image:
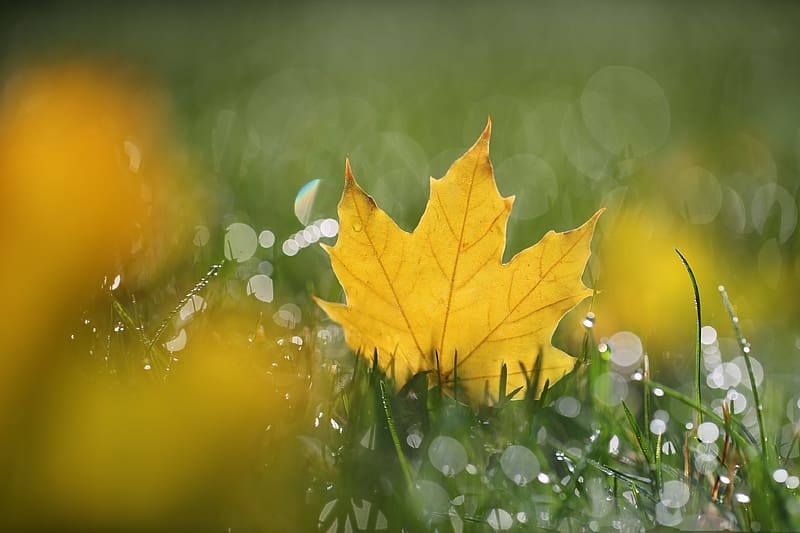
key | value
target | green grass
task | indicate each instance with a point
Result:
(419, 459)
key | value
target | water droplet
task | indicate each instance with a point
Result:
(431, 500)
(193, 305)
(147, 366)
(241, 242)
(266, 239)
(543, 478)
(675, 494)
(742, 498)
(260, 286)
(588, 320)
(177, 343)
(708, 335)
(414, 439)
(613, 445)
(329, 227)
(658, 426)
(657, 391)
(780, 475)
(304, 201)
(707, 432)
(519, 464)
(666, 516)
(499, 519)
(725, 480)
(792, 482)
(290, 247)
(568, 406)
(471, 469)
(626, 349)
(447, 455)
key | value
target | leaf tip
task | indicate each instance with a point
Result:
(487, 131)
(348, 172)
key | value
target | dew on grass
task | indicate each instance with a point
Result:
(201, 236)
(792, 482)
(241, 242)
(568, 406)
(266, 239)
(780, 475)
(116, 282)
(675, 494)
(708, 335)
(707, 432)
(177, 343)
(519, 464)
(626, 349)
(500, 519)
(290, 247)
(742, 498)
(304, 201)
(543, 478)
(471, 469)
(588, 320)
(657, 391)
(447, 455)
(260, 286)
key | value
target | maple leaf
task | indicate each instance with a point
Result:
(443, 291)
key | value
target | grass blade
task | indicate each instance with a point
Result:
(697, 349)
(638, 434)
(395, 439)
(744, 346)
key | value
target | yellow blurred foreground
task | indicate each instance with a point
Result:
(85, 168)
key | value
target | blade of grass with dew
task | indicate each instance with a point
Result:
(745, 348)
(743, 443)
(395, 438)
(699, 325)
(637, 432)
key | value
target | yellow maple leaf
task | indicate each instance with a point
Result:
(443, 290)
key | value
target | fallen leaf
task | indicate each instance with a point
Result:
(442, 292)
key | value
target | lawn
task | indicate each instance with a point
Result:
(169, 173)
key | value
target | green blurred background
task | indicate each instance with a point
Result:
(682, 118)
